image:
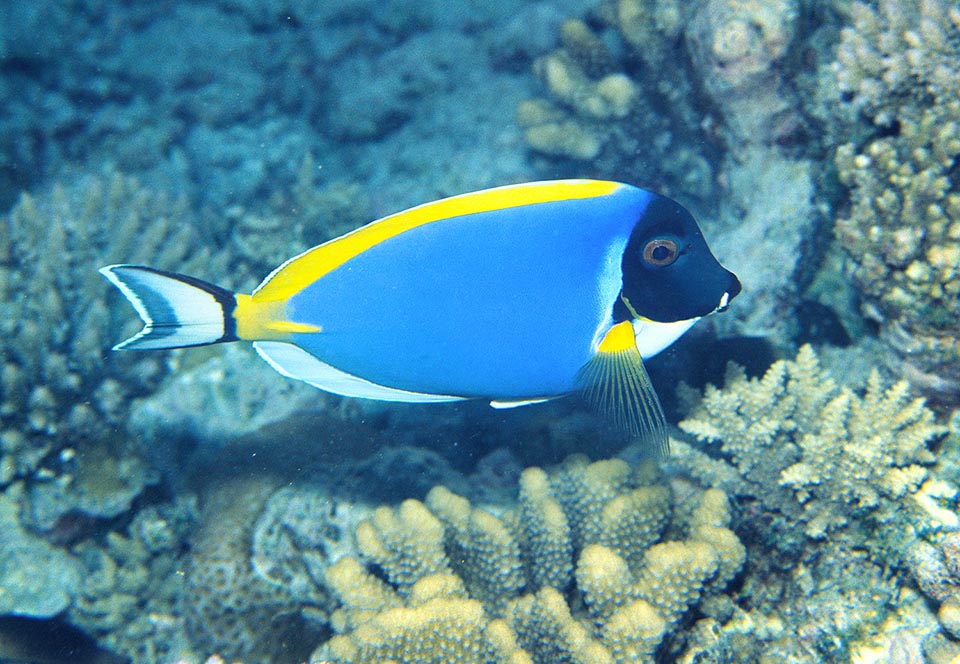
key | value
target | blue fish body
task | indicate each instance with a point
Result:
(497, 304)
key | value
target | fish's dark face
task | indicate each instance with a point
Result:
(669, 273)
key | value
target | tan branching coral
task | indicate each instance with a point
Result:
(600, 107)
(575, 574)
(899, 66)
(61, 388)
(808, 448)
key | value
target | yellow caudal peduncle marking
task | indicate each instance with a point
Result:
(621, 337)
(265, 321)
(299, 272)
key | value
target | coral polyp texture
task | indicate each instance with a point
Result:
(232, 593)
(132, 582)
(821, 455)
(600, 110)
(64, 396)
(898, 65)
(576, 573)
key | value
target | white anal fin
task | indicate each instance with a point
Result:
(294, 362)
(617, 385)
(503, 405)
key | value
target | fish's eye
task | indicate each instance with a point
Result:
(660, 252)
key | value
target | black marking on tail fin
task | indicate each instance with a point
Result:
(177, 310)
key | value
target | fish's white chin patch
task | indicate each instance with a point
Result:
(653, 337)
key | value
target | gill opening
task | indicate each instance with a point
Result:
(633, 312)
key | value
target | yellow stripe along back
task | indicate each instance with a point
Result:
(301, 271)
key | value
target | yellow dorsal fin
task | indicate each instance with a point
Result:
(616, 384)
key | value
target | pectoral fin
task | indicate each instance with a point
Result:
(617, 385)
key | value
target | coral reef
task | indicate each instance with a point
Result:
(227, 601)
(736, 48)
(576, 573)
(132, 583)
(602, 111)
(936, 570)
(819, 454)
(65, 397)
(36, 579)
(646, 95)
(310, 212)
(834, 486)
(897, 66)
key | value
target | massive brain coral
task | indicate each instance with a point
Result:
(577, 573)
(898, 66)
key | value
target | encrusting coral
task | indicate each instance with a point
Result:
(898, 67)
(227, 600)
(38, 580)
(62, 391)
(936, 570)
(819, 454)
(575, 574)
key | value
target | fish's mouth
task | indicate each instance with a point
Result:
(732, 292)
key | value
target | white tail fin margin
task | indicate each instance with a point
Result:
(176, 310)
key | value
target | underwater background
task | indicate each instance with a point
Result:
(194, 506)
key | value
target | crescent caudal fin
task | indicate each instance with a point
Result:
(176, 310)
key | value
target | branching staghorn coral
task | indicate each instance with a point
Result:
(813, 451)
(132, 582)
(898, 65)
(574, 574)
(64, 396)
